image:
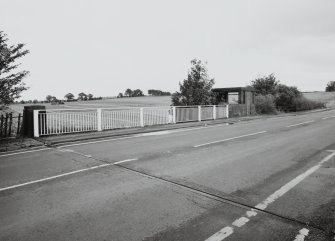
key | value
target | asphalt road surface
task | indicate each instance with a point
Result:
(267, 179)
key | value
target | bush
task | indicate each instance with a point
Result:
(264, 104)
(301, 103)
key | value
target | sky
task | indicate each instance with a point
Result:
(104, 47)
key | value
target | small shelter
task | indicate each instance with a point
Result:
(243, 104)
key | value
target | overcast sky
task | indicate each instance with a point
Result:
(105, 47)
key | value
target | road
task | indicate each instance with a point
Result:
(266, 179)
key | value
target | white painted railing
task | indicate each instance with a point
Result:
(83, 120)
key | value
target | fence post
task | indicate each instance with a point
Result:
(36, 123)
(10, 124)
(99, 119)
(142, 117)
(227, 111)
(174, 116)
(214, 112)
(18, 125)
(199, 113)
(1, 126)
(6, 125)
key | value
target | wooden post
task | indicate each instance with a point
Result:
(6, 125)
(1, 126)
(18, 125)
(10, 124)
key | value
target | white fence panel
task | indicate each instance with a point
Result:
(207, 113)
(157, 115)
(83, 120)
(186, 114)
(120, 118)
(221, 112)
(67, 122)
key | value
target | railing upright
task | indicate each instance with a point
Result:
(214, 112)
(99, 119)
(174, 117)
(141, 117)
(227, 111)
(36, 124)
(199, 113)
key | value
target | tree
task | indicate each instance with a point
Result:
(120, 95)
(49, 98)
(286, 96)
(158, 93)
(11, 84)
(82, 96)
(128, 93)
(196, 89)
(330, 86)
(137, 93)
(90, 97)
(266, 85)
(69, 96)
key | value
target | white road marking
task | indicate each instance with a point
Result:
(22, 152)
(302, 123)
(251, 213)
(64, 174)
(129, 160)
(303, 233)
(222, 234)
(72, 151)
(287, 187)
(54, 177)
(142, 135)
(241, 221)
(229, 139)
(328, 117)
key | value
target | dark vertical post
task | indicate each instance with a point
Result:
(1, 126)
(18, 125)
(10, 124)
(6, 125)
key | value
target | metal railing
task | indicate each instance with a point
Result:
(53, 122)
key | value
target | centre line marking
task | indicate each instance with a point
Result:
(302, 123)
(64, 174)
(172, 131)
(227, 231)
(229, 139)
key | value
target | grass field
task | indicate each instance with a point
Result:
(326, 97)
(145, 101)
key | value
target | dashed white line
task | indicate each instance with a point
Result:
(302, 123)
(54, 177)
(303, 233)
(64, 174)
(241, 221)
(154, 133)
(129, 160)
(22, 152)
(229, 139)
(222, 234)
(227, 231)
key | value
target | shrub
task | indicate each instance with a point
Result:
(301, 103)
(264, 104)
